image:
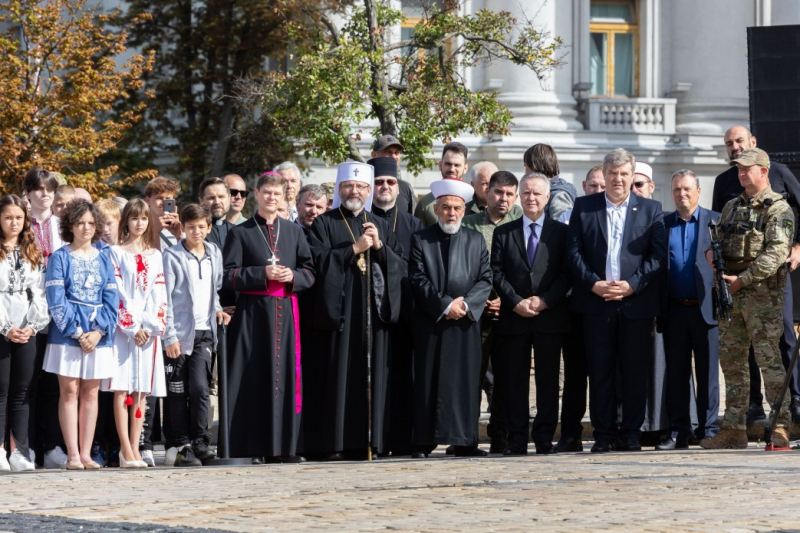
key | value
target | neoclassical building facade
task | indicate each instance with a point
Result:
(662, 78)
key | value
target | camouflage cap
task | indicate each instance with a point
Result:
(752, 156)
(329, 187)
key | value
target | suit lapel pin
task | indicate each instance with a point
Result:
(635, 208)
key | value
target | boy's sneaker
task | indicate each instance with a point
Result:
(186, 457)
(201, 450)
(20, 463)
(32, 454)
(98, 456)
(4, 466)
(147, 457)
(55, 458)
(170, 455)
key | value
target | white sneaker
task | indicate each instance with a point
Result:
(55, 458)
(147, 457)
(4, 466)
(169, 457)
(20, 463)
(32, 454)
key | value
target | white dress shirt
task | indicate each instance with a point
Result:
(526, 228)
(615, 226)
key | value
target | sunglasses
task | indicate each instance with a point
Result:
(639, 184)
(237, 192)
(389, 182)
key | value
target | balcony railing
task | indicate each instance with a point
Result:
(633, 115)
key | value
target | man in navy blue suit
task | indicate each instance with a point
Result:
(688, 322)
(617, 246)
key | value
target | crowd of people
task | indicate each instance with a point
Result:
(359, 319)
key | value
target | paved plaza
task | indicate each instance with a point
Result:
(747, 490)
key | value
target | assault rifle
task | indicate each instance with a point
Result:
(723, 301)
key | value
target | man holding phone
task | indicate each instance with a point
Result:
(160, 196)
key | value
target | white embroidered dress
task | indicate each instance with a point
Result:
(142, 305)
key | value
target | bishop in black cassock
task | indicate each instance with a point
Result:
(451, 280)
(336, 418)
(267, 262)
(401, 335)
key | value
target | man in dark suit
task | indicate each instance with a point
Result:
(530, 277)
(782, 181)
(688, 322)
(617, 247)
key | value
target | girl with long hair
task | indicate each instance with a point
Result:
(141, 320)
(23, 312)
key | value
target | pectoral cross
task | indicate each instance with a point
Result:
(273, 260)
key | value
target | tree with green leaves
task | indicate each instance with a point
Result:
(201, 47)
(413, 87)
(61, 75)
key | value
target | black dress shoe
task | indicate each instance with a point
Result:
(672, 444)
(334, 457)
(628, 445)
(601, 446)
(419, 455)
(450, 450)
(257, 460)
(755, 412)
(569, 444)
(795, 410)
(293, 459)
(545, 449)
(465, 451)
(498, 446)
(516, 450)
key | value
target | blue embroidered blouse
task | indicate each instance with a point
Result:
(82, 296)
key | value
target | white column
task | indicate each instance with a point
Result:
(709, 51)
(536, 106)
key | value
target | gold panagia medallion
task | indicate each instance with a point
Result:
(362, 264)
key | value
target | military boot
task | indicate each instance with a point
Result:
(726, 439)
(780, 438)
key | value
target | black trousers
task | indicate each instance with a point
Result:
(513, 377)
(573, 400)
(489, 352)
(16, 375)
(44, 429)
(616, 342)
(687, 333)
(787, 344)
(187, 401)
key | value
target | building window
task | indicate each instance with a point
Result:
(614, 48)
(415, 11)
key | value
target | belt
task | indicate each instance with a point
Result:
(685, 303)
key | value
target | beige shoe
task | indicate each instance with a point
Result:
(780, 438)
(727, 439)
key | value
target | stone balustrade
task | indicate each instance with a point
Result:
(630, 115)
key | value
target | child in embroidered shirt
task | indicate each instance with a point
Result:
(82, 297)
(141, 320)
(23, 312)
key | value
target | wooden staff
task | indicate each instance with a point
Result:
(369, 356)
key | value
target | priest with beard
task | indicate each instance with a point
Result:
(401, 344)
(349, 243)
(451, 280)
(267, 261)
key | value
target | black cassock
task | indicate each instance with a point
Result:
(263, 386)
(336, 416)
(401, 340)
(447, 353)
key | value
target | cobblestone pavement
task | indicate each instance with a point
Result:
(747, 490)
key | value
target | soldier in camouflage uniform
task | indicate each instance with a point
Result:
(756, 235)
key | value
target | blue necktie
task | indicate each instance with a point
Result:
(533, 241)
